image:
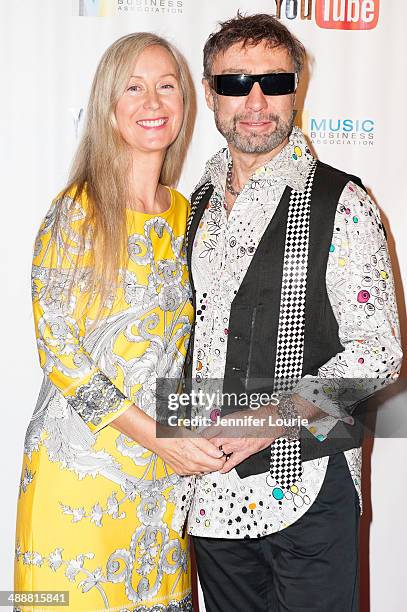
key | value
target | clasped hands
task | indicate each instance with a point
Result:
(239, 442)
(219, 448)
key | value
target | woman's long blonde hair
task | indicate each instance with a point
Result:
(101, 164)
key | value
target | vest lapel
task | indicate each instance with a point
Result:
(199, 201)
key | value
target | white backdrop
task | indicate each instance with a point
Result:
(353, 113)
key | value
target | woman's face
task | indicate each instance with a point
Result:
(150, 111)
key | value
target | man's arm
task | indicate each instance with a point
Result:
(360, 287)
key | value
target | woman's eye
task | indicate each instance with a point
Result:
(134, 88)
(167, 86)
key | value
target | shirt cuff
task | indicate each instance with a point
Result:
(321, 428)
(319, 391)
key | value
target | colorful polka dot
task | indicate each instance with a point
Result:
(331, 248)
(278, 493)
(298, 151)
(363, 296)
(355, 219)
(341, 262)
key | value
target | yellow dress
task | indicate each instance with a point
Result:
(95, 508)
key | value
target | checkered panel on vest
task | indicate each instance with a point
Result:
(285, 455)
(285, 463)
(291, 325)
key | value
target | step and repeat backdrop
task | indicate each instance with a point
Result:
(351, 105)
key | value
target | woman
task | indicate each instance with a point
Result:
(112, 313)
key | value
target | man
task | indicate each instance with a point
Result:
(287, 259)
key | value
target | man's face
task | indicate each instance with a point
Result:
(254, 123)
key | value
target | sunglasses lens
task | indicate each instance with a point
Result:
(278, 84)
(232, 84)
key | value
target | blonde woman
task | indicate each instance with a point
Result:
(112, 313)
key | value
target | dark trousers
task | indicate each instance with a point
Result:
(311, 565)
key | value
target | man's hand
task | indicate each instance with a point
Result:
(239, 442)
(239, 449)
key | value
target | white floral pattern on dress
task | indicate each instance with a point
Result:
(109, 490)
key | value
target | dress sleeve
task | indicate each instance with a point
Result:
(59, 305)
(360, 288)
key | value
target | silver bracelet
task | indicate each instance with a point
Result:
(287, 411)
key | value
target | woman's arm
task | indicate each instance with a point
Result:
(185, 455)
(59, 307)
(59, 316)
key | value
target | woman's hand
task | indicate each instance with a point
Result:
(189, 455)
(186, 455)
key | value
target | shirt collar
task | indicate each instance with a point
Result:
(291, 165)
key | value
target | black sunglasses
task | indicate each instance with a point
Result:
(273, 84)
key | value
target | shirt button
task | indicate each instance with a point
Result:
(235, 369)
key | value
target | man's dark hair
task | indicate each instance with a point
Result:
(252, 30)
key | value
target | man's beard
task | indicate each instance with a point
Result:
(254, 142)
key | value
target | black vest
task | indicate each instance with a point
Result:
(254, 316)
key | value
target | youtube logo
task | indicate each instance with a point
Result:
(347, 14)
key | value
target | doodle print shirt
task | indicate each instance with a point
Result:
(360, 288)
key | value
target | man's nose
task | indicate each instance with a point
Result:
(256, 100)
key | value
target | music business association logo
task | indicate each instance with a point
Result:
(337, 130)
(150, 6)
(332, 14)
(107, 8)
